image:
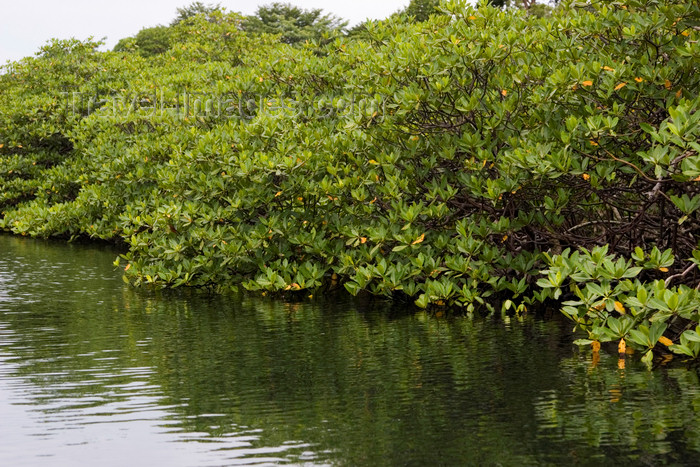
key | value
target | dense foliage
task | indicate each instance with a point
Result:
(447, 162)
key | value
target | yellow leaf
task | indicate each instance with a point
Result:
(667, 84)
(607, 68)
(472, 17)
(1, 145)
(638, 79)
(128, 266)
(665, 341)
(663, 269)
(622, 346)
(419, 239)
(595, 345)
(574, 87)
(363, 240)
(685, 33)
(373, 162)
(679, 93)
(504, 92)
(505, 237)
(593, 143)
(620, 86)
(620, 308)
(277, 194)
(620, 366)
(587, 83)
(586, 177)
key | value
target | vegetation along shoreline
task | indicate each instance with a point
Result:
(476, 158)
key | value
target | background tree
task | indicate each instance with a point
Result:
(294, 24)
(148, 41)
(157, 39)
(532, 6)
(194, 9)
(421, 9)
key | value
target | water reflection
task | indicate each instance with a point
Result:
(92, 369)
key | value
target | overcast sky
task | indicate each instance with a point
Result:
(26, 25)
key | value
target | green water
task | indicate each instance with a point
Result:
(93, 372)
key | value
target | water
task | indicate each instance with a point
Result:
(93, 372)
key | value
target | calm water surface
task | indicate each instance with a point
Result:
(93, 372)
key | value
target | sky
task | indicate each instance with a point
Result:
(28, 24)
